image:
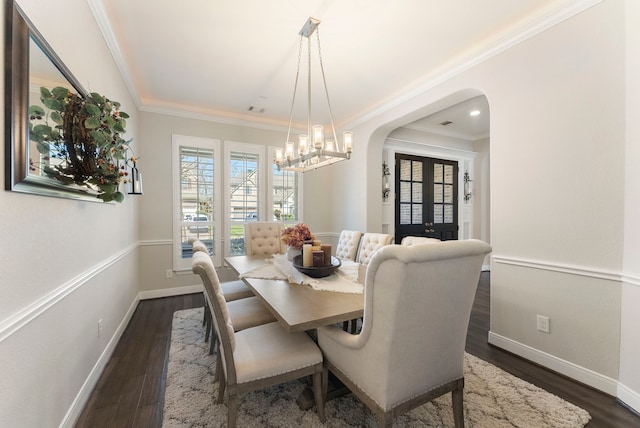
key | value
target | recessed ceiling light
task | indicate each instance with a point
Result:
(474, 112)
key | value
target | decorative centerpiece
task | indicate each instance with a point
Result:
(81, 141)
(295, 237)
(316, 271)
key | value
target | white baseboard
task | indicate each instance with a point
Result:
(83, 395)
(629, 397)
(168, 292)
(81, 399)
(574, 371)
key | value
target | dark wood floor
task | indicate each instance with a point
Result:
(130, 392)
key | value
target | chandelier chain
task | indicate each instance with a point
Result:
(295, 88)
(326, 89)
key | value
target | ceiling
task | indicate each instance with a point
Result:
(235, 60)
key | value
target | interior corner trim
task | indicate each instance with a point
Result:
(21, 318)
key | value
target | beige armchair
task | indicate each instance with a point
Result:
(418, 240)
(411, 348)
(263, 238)
(256, 357)
(348, 242)
(370, 243)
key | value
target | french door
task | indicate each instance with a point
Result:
(426, 197)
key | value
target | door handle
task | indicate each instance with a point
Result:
(428, 224)
(429, 231)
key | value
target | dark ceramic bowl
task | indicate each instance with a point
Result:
(317, 272)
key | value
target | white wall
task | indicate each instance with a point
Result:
(64, 264)
(629, 389)
(557, 188)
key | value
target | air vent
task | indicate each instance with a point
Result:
(446, 122)
(253, 108)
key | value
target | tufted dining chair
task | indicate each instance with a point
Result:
(263, 238)
(369, 244)
(232, 290)
(348, 242)
(257, 357)
(418, 240)
(416, 313)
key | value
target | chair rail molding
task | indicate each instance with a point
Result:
(21, 318)
(563, 268)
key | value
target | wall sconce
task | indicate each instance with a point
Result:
(467, 186)
(135, 179)
(386, 188)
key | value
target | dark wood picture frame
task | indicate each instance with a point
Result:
(26, 48)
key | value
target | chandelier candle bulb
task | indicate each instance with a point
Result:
(307, 255)
(289, 150)
(347, 141)
(329, 145)
(318, 137)
(302, 144)
(278, 155)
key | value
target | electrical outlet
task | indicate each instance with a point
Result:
(169, 273)
(99, 328)
(543, 324)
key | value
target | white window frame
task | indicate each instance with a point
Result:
(177, 141)
(260, 151)
(271, 152)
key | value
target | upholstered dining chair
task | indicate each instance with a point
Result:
(232, 290)
(263, 238)
(418, 240)
(370, 243)
(348, 242)
(245, 313)
(411, 347)
(257, 357)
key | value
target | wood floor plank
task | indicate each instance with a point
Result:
(130, 392)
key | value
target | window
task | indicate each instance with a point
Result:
(215, 195)
(245, 188)
(196, 182)
(286, 201)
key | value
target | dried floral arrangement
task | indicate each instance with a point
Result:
(295, 236)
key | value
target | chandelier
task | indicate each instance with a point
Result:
(315, 149)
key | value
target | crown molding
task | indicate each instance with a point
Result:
(547, 20)
(509, 40)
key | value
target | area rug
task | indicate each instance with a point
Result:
(492, 397)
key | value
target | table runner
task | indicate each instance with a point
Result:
(344, 280)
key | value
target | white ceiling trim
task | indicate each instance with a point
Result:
(99, 13)
(422, 148)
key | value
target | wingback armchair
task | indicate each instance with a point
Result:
(411, 347)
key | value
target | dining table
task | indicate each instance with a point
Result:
(298, 307)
